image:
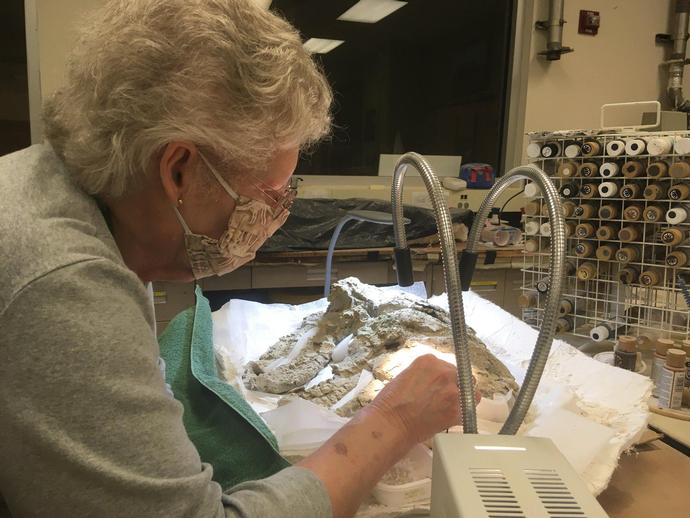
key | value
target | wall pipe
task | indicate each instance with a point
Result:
(676, 64)
(554, 28)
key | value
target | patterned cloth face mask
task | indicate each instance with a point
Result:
(251, 224)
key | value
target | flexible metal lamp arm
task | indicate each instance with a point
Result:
(450, 272)
(557, 274)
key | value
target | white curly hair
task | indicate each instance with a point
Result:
(226, 75)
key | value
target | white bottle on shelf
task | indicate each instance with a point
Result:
(659, 145)
(533, 150)
(609, 169)
(681, 145)
(532, 228)
(679, 214)
(608, 189)
(635, 146)
(615, 148)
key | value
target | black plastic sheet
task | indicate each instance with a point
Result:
(312, 222)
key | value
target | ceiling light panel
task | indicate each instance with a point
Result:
(321, 45)
(370, 11)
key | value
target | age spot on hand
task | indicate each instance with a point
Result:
(341, 449)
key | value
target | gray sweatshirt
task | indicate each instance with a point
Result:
(86, 426)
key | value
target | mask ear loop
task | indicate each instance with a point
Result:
(220, 179)
(182, 221)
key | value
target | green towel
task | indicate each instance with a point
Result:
(228, 434)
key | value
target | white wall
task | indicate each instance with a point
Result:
(57, 25)
(620, 64)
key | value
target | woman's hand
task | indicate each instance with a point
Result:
(423, 399)
(419, 402)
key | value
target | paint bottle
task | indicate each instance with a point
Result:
(630, 191)
(587, 271)
(609, 211)
(615, 148)
(679, 169)
(569, 190)
(551, 150)
(566, 307)
(677, 215)
(531, 190)
(591, 148)
(545, 209)
(532, 227)
(679, 192)
(605, 253)
(588, 170)
(677, 259)
(545, 229)
(633, 212)
(585, 211)
(659, 145)
(662, 345)
(628, 275)
(657, 169)
(533, 150)
(543, 284)
(532, 245)
(528, 300)
(584, 249)
(572, 149)
(685, 344)
(653, 213)
(606, 232)
(564, 325)
(625, 353)
(569, 228)
(671, 379)
(589, 190)
(604, 331)
(570, 268)
(609, 169)
(568, 208)
(632, 169)
(652, 277)
(655, 191)
(674, 236)
(635, 146)
(567, 168)
(608, 189)
(629, 254)
(681, 145)
(533, 208)
(584, 230)
(630, 233)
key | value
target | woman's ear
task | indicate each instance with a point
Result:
(177, 168)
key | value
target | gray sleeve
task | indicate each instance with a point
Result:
(295, 492)
(87, 427)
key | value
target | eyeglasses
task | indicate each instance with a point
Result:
(283, 197)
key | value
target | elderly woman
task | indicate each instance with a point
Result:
(169, 157)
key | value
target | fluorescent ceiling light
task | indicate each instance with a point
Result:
(370, 11)
(321, 45)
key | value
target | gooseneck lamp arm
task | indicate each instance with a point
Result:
(450, 270)
(557, 273)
